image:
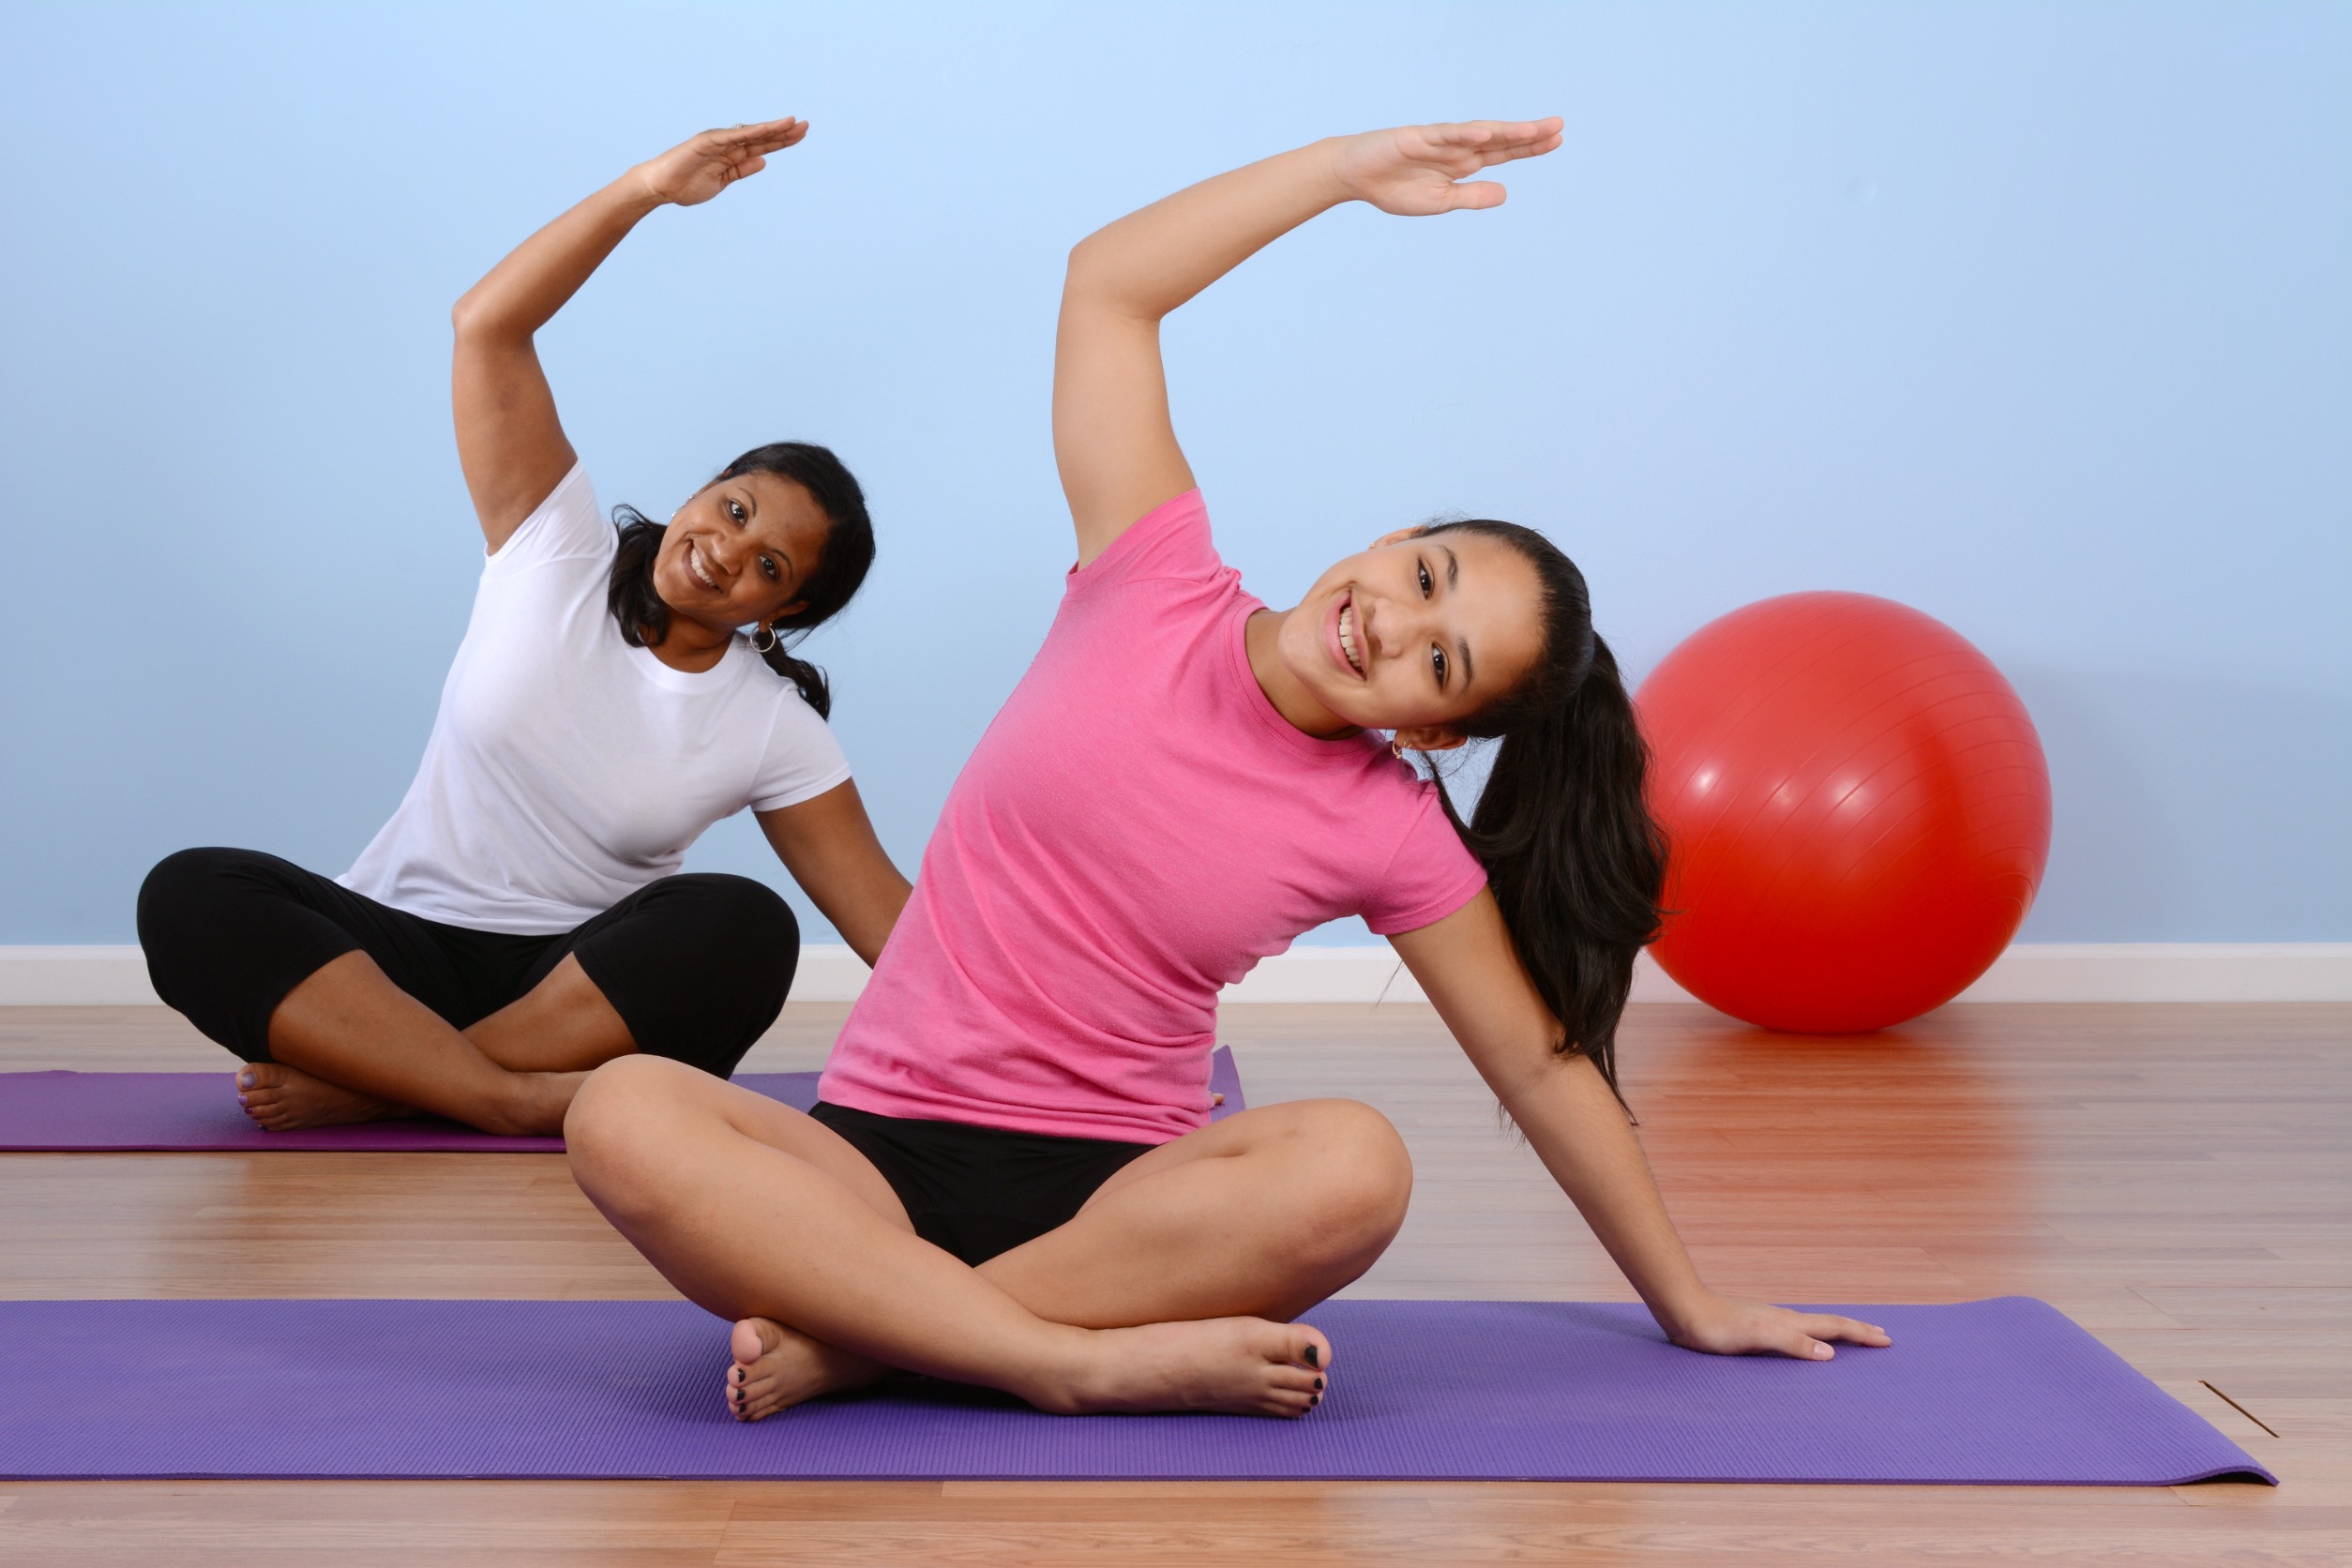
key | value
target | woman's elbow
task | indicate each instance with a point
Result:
(472, 317)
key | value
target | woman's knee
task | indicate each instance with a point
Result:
(187, 887)
(740, 918)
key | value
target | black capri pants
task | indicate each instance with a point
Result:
(697, 966)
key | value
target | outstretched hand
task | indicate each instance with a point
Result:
(700, 168)
(1412, 170)
(1729, 1327)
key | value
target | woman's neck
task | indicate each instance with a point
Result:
(1284, 690)
(688, 646)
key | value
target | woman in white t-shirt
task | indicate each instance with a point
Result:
(518, 920)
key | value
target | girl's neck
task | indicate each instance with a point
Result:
(1284, 690)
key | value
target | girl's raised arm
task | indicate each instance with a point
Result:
(1112, 437)
(509, 441)
(1471, 971)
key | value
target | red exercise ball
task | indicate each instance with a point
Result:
(1857, 811)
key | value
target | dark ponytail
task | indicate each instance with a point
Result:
(848, 554)
(1575, 859)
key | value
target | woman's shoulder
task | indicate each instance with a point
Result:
(564, 525)
(803, 759)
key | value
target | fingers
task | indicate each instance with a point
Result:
(1807, 1335)
(1505, 151)
(1851, 1330)
(1477, 195)
(766, 137)
(1499, 141)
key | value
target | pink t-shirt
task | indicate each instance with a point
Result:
(1135, 830)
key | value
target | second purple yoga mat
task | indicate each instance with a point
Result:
(157, 1112)
(2006, 1391)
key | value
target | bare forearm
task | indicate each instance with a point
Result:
(1154, 259)
(830, 847)
(869, 925)
(1579, 1131)
(522, 292)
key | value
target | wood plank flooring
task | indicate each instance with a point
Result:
(2176, 1177)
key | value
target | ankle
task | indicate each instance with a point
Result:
(1071, 1376)
(522, 1105)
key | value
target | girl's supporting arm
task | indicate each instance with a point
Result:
(1469, 968)
(829, 845)
(509, 441)
(1112, 437)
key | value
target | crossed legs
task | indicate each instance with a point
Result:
(1170, 1289)
(347, 1045)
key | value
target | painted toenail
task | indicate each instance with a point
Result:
(1318, 1385)
(1311, 1356)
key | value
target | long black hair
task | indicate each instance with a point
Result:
(1577, 862)
(849, 553)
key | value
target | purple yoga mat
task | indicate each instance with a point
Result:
(198, 1111)
(1996, 1391)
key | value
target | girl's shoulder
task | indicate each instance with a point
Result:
(1171, 541)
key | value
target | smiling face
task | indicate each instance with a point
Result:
(1418, 633)
(737, 554)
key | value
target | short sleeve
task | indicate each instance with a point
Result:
(1431, 875)
(802, 760)
(564, 527)
(1172, 540)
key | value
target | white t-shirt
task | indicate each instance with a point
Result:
(567, 769)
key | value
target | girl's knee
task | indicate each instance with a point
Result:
(617, 1116)
(1363, 1174)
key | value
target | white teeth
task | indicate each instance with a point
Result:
(1348, 638)
(694, 565)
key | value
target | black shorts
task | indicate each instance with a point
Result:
(697, 966)
(979, 1191)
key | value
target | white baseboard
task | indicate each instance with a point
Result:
(118, 976)
(74, 977)
(2168, 972)
(2030, 971)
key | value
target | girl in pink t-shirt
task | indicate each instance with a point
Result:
(1012, 1178)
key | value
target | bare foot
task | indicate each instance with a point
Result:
(282, 1099)
(776, 1366)
(1241, 1366)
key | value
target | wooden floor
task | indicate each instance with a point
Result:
(2178, 1179)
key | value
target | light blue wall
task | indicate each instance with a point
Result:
(2035, 316)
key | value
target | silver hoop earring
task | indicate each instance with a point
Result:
(1397, 749)
(767, 647)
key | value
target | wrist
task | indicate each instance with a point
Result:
(1682, 1312)
(1330, 162)
(635, 193)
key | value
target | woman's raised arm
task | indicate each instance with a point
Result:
(509, 441)
(1469, 970)
(1112, 437)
